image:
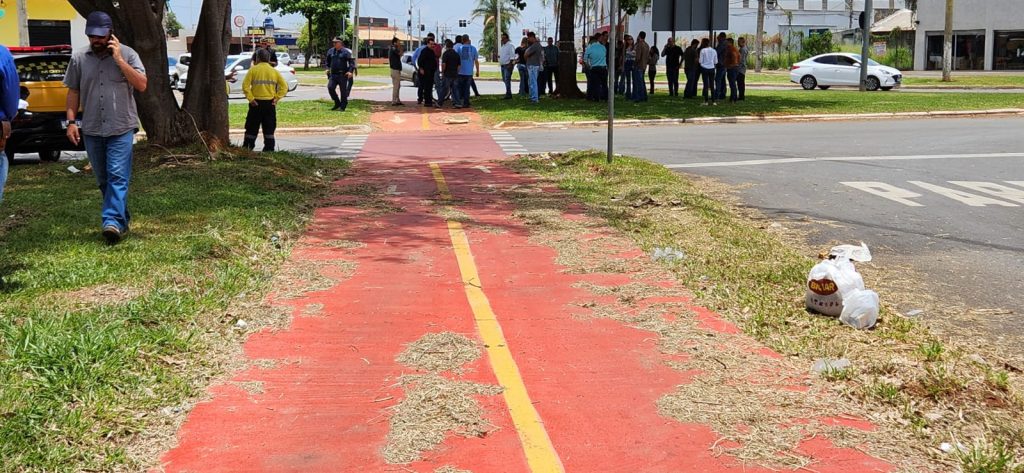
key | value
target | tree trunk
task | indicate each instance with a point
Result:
(309, 40)
(567, 62)
(140, 26)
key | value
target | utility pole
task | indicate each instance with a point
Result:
(612, 39)
(869, 15)
(759, 39)
(497, 30)
(947, 45)
(23, 23)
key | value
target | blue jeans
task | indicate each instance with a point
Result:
(624, 81)
(639, 88)
(524, 86)
(447, 90)
(111, 158)
(534, 90)
(462, 86)
(3, 173)
(719, 82)
(708, 77)
(506, 77)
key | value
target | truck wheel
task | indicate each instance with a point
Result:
(50, 155)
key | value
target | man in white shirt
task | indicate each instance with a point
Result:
(506, 58)
(708, 58)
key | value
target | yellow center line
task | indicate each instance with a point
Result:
(540, 453)
(426, 121)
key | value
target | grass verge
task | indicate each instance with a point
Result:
(307, 113)
(101, 346)
(758, 103)
(899, 374)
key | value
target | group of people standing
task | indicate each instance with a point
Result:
(725, 63)
(446, 71)
(537, 66)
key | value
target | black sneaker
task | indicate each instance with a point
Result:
(336, 106)
(112, 234)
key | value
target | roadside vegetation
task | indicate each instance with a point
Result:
(103, 347)
(758, 103)
(950, 406)
(307, 113)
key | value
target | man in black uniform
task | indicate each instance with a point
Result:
(264, 44)
(426, 66)
(339, 64)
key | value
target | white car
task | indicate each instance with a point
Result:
(172, 71)
(181, 69)
(240, 65)
(284, 59)
(842, 69)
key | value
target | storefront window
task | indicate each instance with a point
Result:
(968, 51)
(1008, 52)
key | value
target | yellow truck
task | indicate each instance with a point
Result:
(42, 126)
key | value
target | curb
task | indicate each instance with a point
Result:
(522, 125)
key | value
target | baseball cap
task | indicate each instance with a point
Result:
(98, 24)
(337, 39)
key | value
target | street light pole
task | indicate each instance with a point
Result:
(612, 39)
(355, 29)
(947, 44)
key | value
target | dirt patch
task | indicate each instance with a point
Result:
(104, 294)
(438, 352)
(451, 469)
(300, 277)
(433, 407)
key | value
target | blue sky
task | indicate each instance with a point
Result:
(432, 12)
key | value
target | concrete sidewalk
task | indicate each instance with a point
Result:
(575, 369)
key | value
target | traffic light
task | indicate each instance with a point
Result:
(462, 23)
(422, 28)
(519, 4)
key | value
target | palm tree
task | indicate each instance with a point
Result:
(486, 9)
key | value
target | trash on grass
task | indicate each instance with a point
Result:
(74, 170)
(828, 283)
(823, 365)
(860, 309)
(914, 313)
(667, 254)
(241, 324)
(860, 254)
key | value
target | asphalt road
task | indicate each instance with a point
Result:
(886, 183)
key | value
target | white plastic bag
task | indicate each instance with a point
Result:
(860, 309)
(828, 283)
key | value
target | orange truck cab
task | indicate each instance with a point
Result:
(42, 126)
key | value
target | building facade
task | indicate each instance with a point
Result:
(798, 18)
(49, 22)
(987, 35)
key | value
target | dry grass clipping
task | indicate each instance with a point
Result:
(438, 352)
(434, 406)
(451, 469)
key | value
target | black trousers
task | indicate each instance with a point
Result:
(263, 114)
(672, 73)
(338, 88)
(426, 91)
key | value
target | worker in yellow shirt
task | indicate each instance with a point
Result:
(263, 87)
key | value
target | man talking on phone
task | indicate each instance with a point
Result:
(103, 79)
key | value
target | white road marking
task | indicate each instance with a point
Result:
(508, 143)
(351, 146)
(484, 169)
(887, 191)
(758, 162)
(993, 189)
(1016, 183)
(393, 190)
(972, 200)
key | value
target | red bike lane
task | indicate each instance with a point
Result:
(318, 394)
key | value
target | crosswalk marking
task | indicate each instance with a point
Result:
(995, 192)
(351, 147)
(508, 143)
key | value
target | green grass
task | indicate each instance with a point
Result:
(985, 457)
(81, 376)
(758, 103)
(756, 279)
(307, 113)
